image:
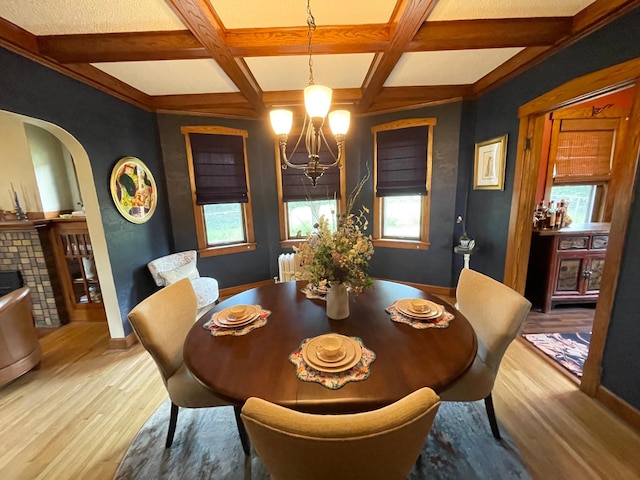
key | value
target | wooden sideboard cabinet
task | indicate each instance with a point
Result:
(77, 271)
(565, 265)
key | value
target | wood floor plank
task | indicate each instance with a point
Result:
(75, 417)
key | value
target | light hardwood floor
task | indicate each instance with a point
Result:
(75, 417)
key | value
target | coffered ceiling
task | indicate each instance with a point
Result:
(240, 58)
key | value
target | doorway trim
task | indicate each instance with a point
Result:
(523, 199)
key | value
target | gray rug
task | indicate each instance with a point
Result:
(207, 446)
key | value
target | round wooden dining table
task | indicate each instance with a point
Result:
(257, 364)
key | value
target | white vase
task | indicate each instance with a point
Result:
(337, 301)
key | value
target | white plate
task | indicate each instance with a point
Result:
(403, 307)
(352, 357)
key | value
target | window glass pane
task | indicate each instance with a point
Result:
(401, 217)
(304, 214)
(581, 200)
(224, 223)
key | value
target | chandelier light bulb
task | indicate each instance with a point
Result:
(317, 100)
(339, 121)
(281, 121)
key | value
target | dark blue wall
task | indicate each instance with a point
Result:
(430, 267)
(488, 212)
(108, 129)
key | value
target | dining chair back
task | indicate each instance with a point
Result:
(161, 323)
(380, 444)
(496, 313)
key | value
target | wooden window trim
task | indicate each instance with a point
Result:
(423, 242)
(285, 241)
(205, 250)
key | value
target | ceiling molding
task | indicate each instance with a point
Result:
(24, 43)
(595, 16)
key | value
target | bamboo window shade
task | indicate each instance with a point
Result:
(583, 154)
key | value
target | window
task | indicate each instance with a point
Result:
(301, 205)
(220, 189)
(402, 178)
(580, 165)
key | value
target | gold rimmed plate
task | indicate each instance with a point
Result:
(227, 317)
(353, 354)
(404, 307)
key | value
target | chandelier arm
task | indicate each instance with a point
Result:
(282, 140)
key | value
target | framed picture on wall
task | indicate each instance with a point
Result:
(489, 166)
(133, 189)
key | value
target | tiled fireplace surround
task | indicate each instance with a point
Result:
(29, 250)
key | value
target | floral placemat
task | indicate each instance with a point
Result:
(439, 322)
(360, 371)
(218, 331)
(312, 293)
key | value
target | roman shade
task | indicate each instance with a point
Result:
(219, 169)
(401, 161)
(582, 149)
(296, 186)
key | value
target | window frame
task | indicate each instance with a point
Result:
(204, 249)
(423, 242)
(285, 241)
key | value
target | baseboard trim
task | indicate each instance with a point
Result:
(619, 407)
(123, 343)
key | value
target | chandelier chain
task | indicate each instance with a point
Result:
(311, 23)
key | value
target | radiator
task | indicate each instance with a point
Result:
(288, 266)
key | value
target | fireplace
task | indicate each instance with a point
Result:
(10, 281)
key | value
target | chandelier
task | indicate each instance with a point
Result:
(317, 101)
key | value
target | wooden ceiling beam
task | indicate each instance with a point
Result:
(491, 33)
(122, 47)
(255, 42)
(411, 16)
(203, 22)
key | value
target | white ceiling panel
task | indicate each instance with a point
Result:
(55, 17)
(171, 77)
(292, 73)
(474, 9)
(453, 67)
(293, 13)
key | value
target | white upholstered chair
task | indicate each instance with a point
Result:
(382, 444)
(496, 313)
(171, 268)
(161, 323)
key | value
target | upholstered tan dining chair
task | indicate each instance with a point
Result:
(381, 444)
(176, 266)
(161, 323)
(496, 313)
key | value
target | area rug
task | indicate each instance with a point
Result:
(568, 349)
(207, 446)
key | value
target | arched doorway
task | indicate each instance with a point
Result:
(94, 220)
